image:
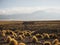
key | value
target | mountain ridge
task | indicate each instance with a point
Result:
(38, 15)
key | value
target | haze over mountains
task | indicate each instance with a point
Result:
(38, 15)
(30, 10)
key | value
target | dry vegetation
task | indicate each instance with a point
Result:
(28, 34)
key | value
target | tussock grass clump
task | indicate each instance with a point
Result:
(12, 36)
(34, 39)
(27, 34)
(2, 34)
(22, 44)
(13, 42)
(20, 37)
(15, 34)
(53, 36)
(46, 36)
(39, 36)
(23, 35)
(4, 31)
(11, 32)
(47, 43)
(7, 32)
(56, 41)
(8, 39)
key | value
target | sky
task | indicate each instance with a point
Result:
(10, 7)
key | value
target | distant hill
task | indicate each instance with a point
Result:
(38, 15)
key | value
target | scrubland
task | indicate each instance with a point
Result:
(31, 33)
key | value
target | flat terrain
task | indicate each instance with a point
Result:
(31, 25)
(8, 22)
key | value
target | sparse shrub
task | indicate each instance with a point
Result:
(13, 42)
(47, 43)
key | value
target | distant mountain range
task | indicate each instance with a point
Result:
(38, 15)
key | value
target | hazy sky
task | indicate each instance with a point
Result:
(9, 7)
(29, 3)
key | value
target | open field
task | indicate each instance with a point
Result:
(29, 32)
